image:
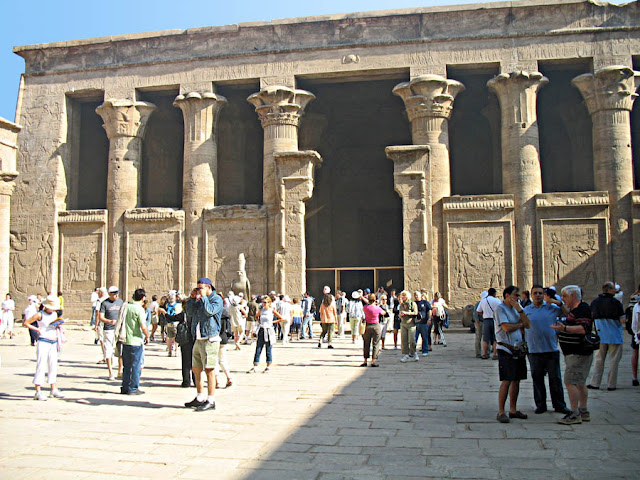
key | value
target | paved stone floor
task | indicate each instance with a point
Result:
(315, 416)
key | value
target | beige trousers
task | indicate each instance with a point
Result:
(615, 354)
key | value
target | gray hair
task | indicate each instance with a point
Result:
(573, 289)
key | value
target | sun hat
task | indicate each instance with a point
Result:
(355, 295)
(113, 289)
(51, 302)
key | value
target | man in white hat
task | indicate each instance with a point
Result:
(32, 308)
(108, 316)
(356, 314)
(46, 323)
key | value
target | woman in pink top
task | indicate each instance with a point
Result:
(328, 315)
(373, 330)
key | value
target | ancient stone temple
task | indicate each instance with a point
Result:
(447, 148)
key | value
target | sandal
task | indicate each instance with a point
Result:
(229, 383)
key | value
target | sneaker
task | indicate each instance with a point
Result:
(585, 415)
(426, 354)
(252, 370)
(40, 395)
(502, 418)
(570, 419)
(405, 359)
(193, 403)
(416, 357)
(592, 387)
(518, 414)
(112, 378)
(267, 370)
(55, 393)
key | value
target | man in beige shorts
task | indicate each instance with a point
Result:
(204, 307)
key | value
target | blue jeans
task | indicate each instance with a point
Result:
(424, 330)
(93, 316)
(547, 363)
(131, 362)
(261, 343)
(308, 323)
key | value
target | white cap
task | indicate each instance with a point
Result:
(241, 295)
(355, 295)
(113, 289)
(32, 298)
(326, 289)
(287, 299)
(484, 295)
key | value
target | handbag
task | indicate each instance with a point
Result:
(362, 327)
(183, 335)
(591, 341)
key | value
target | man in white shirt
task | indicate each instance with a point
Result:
(486, 309)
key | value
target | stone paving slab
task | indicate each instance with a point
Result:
(316, 416)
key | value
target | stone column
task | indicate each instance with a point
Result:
(8, 149)
(279, 109)
(429, 102)
(200, 171)
(294, 173)
(609, 94)
(521, 174)
(124, 122)
(412, 181)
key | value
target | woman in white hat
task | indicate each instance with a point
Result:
(46, 322)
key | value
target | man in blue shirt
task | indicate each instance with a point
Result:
(544, 355)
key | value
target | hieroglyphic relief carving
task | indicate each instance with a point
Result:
(571, 250)
(225, 244)
(479, 258)
(152, 261)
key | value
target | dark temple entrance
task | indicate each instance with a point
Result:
(354, 218)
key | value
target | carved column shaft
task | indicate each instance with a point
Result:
(200, 167)
(609, 94)
(124, 122)
(8, 149)
(413, 183)
(279, 109)
(521, 173)
(294, 171)
(429, 102)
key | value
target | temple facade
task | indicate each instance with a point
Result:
(446, 148)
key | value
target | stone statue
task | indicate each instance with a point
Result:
(242, 284)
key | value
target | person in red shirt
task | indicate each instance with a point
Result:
(373, 330)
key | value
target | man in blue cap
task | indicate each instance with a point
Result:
(205, 309)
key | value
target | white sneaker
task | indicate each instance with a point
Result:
(112, 378)
(267, 370)
(416, 357)
(40, 395)
(253, 370)
(405, 359)
(425, 354)
(56, 394)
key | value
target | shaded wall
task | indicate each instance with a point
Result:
(93, 159)
(474, 134)
(162, 153)
(566, 145)
(354, 217)
(240, 146)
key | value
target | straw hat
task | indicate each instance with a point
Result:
(51, 302)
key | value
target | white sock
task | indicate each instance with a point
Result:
(201, 397)
(211, 399)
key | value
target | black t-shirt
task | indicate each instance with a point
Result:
(605, 306)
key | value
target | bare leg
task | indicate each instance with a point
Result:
(395, 338)
(634, 363)
(211, 381)
(574, 396)
(502, 395)
(197, 373)
(514, 390)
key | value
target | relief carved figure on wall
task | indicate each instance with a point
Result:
(152, 261)
(460, 264)
(43, 260)
(572, 254)
(496, 269)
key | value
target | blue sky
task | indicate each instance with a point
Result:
(43, 21)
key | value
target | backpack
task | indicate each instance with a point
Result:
(627, 324)
(183, 333)
(441, 313)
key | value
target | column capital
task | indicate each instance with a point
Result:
(609, 88)
(428, 96)
(125, 118)
(280, 105)
(517, 93)
(297, 167)
(200, 111)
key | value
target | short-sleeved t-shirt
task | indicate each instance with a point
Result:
(506, 314)
(424, 311)
(541, 338)
(372, 313)
(111, 310)
(571, 343)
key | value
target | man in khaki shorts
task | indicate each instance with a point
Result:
(204, 307)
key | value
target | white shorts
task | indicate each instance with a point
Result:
(109, 342)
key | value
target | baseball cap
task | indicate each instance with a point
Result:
(205, 281)
(113, 289)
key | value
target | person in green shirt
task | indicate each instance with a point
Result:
(137, 335)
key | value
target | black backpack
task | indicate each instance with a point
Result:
(183, 332)
(629, 313)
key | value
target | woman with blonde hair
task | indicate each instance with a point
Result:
(408, 312)
(328, 316)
